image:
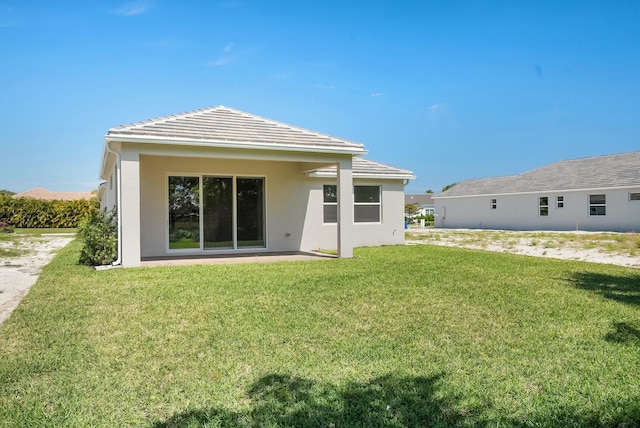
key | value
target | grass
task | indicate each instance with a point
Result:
(627, 244)
(396, 337)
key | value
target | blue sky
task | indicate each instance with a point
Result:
(448, 89)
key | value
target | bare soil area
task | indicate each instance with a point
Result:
(21, 261)
(621, 249)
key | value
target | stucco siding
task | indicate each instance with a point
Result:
(522, 211)
(389, 231)
(286, 197)
(294, 204)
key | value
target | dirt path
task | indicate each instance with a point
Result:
(18, 273)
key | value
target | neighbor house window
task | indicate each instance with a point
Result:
(597, 205)
(560, 201)
(494, 204)
(330, 203)
(367, 204)
(634, 196)
(544, 206)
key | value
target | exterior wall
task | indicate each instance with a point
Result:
(294, 204)
(390, 231)
(109, 200)
(521, 212)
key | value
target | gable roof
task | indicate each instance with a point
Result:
(421, 199)
(39, 193)
(224, 126)
(597, 172)
(365, 168)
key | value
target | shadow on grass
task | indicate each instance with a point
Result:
(624, 289)
(623, 333)
(388, 401)
(281, 400)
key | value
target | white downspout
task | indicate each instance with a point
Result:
(118, 261)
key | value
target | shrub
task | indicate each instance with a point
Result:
(37, 213)
(5, 227)
(99, 232)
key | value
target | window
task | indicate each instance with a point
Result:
(184, 212)
(597, 205)
(634, 196)
(544, 206)
(366, 207)
(494, 204)
(367, 204)
(231, 214)
(330, 203)
(560, 201)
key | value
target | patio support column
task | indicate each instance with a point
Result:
(130, 207)
(345, 208)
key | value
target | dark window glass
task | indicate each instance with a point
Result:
(250, 212)
(184, 212)
(217, 195)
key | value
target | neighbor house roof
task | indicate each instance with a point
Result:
(421, 199)
(598, 172)
(224, 126)
(39, 193)
(365, 168)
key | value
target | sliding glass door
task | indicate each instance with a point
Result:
(250, 212)
(217, 221)
(231, 216)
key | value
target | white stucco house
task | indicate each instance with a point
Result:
(600, 193)
(424, 201)
(222, 181)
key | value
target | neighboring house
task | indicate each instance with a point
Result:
(39, 193)
(600, 193)
(222, 181)
(424, 201)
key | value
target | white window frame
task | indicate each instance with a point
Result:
(634, 196)
(326, 204)
(595, 206)
(560, 201)
(543, 209)
(201, 249)
(493, 203)
(378, 203)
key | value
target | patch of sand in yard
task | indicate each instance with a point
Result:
(18, 274)
(523, 243)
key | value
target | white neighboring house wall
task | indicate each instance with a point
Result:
(522, 211)
(599, 193)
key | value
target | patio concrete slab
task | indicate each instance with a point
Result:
(221, 259)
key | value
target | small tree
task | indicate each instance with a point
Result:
(411, 211)
(99, 232)
(448, 186)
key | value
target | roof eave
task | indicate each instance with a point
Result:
(350, 150)
(332, 174)
(532, 192)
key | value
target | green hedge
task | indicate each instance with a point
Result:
(37, 213)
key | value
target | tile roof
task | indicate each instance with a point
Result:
(609, 171)
(366, 168)
(222, 124)
(420, 198)
(39, 193)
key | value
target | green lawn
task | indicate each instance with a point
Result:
(396, 337)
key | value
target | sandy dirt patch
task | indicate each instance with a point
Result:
(19, 272)
(598, 247)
